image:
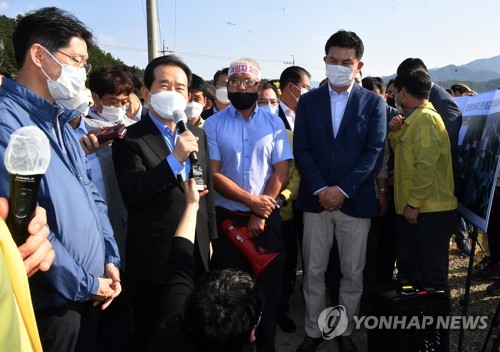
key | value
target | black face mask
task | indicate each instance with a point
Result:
(242, 100)
(391, 102)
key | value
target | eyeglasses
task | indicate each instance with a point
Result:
(250, 83)
(87, 67)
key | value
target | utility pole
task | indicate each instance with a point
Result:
(290, 62)
(152, 29)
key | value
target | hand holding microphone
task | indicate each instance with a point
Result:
(26, 158)
(187, 144)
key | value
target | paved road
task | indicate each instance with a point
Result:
(289, 342)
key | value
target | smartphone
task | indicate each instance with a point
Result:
(107, 133)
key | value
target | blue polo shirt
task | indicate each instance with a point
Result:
(247, 150)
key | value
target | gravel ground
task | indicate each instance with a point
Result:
(480, 304)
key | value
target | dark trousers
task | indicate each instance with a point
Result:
(70, 327)
(423, 248)
(116, 321)
(289, 275)
(387, 243)
(145, 297)
(226, 255)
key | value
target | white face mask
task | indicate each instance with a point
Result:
(399, 108)
(193, 110)
(70, 82)
(166, 102)
(302, 92)
(81, 102)
(221, 95)
(271, 108)
(339, 76)
(112, 114)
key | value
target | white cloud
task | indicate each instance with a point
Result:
(4, 5)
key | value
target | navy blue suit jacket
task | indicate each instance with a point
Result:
(447, 107)
(348, 160)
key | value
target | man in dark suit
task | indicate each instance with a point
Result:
(151, 162)
(339, 138)
(294, 81)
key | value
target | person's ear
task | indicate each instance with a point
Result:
(146, 94)
(36, 53)
(360, 65)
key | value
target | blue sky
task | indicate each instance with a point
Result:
(208, 35)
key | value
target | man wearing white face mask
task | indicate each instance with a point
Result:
(151, 163)
(51, 51)
(197, 101)
(111, 88)
(339, 137)
(219, 90)
(294, 81)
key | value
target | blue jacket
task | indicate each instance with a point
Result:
(348, 160)
(81, 234)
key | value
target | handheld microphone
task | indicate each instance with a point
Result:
(26, 158)
(180, 120)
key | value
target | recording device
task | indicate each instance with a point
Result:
(107, 133)
(180, 120)
(26, 158)
(258, 257)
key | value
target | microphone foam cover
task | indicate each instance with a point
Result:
(179, 115)
(28, 152)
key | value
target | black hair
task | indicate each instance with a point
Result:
(167, 60)
(292, 74)
(371, 83)
(112, 80)
(222, 310)
(132, 73)
(50, 27)
(417, 82)
(224, 71)
(198, 83)
(268, 85)
(411, 63)
(346, 39)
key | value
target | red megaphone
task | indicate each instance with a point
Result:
(257, 256)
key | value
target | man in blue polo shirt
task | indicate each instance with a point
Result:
(249, 159)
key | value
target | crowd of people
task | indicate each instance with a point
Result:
(135, 251)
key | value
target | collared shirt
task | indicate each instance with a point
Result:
(93, 160)
(247, 150)
(338, 103)
(177, 168)
(289, 114)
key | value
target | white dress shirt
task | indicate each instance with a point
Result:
(289, 114)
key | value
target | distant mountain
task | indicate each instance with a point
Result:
(482, 74)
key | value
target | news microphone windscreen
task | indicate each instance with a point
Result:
(178, 116)
(28, 152)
